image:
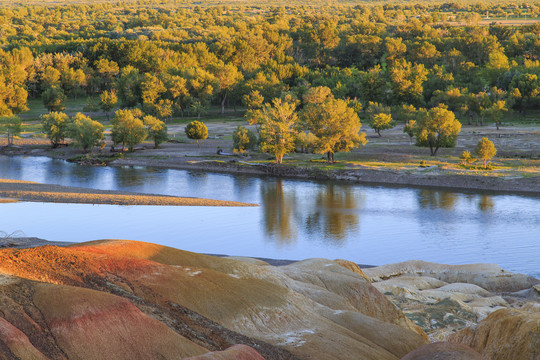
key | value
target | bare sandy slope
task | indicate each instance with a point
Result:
(30, 191)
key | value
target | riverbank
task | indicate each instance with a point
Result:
(31, 191)
(433, 177)
(517, 171)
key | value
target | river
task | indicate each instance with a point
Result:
(296, 219)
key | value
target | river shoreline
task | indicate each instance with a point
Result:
(431, 177)
(435, 179)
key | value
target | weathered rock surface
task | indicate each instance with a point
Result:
(505, 334)
(443, 351)
(235, 352)
(133, 300)
(488, 276)
(443, 299)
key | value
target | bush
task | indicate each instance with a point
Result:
(467, 157)
(196, 130)
(243, 139)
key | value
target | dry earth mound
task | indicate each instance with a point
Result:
(133, 300)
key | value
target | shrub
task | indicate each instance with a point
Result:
(196, 130)
(243, 139)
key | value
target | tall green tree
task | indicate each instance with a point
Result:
(406, 81)
(227, 76)
(157, 130)
(12, 125)
(85, 132)
(128, 129)
(54, 125)
(335, 124)
(108, 100)
(279, 126)
(437, 128)
(128, 87)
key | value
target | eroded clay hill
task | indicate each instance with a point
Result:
(132, 300)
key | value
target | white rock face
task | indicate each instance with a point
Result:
(443, 299)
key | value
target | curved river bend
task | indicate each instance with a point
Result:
(296, 219)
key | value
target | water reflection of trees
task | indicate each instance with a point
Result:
(335, 213)
(436, 199)
(278, 211)
(485, 203)
(331, 214)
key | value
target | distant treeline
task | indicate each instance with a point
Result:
(167, 57)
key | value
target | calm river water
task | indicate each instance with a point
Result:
(296, 219)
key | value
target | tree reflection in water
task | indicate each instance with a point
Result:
(278, 211)
(436, 199)
(336, 213)
(485, 203)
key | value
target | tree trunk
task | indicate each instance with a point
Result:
(223, 104)
(330, 156)
(198, 145)
(279, 158)
(379, 132)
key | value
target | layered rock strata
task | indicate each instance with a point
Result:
(132, 300)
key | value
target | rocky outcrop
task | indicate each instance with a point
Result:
(505, 334)
(488, 276)
(443, 351)
(443, 299)
(132, 300)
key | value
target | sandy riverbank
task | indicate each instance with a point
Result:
(31, 191)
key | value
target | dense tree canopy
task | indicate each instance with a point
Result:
(170, 59)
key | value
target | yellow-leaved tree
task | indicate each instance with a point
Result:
(335, 125)
(279, 127)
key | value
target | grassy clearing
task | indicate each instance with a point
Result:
(500, 167)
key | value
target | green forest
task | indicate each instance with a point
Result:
(420, 64)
